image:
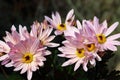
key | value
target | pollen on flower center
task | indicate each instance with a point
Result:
(80, 52)
(101, 38)
(90, 47)
(27, 58)
(61, 27)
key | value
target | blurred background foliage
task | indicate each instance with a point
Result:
(24, 12)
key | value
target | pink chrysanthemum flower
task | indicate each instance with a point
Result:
(23, 50)
(14, 37)
(56, 22)
(43, 33)
(4, 49)
(83, 35)
(102, 32)
(27, 56)
(80, 47)
(75, 55)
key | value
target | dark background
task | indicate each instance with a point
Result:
(26, 11)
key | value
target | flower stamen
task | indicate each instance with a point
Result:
(27, 58)
(90, 47)
(101, 38)
(80, 52)
(61, 27)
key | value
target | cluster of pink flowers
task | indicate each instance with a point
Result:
(26, 51)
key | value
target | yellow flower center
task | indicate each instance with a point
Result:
(27, 57)
(90, 47)
(80, 52)
(61, 27)
(101, 38)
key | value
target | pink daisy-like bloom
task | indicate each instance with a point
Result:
(27, 56)
(4, 48)
(102, 32)
(14, 37)
(23, 51)
(43, 33)
(80, 47)
(56, 22)
(75, 55)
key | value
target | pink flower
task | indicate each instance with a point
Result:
(80, 47)
(12, 38)
(4, 48)
(24, 51)
(56, 22)
(43, 33)
(102, 32)
(75, 55)
(27, 56)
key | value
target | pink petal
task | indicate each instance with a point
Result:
(50, 38)
(10, 64)
(85, 66)
(9, 38)
(58, 17)
(70, 31)
(57, 32)
(88, 30)
(29, 75)
(104, 24)
(61, 49)
(41, 58)
(41, 63)
(111, 47)
(61, 55)
(20, 47)
(33, 66)
(34, 46)
(69, 62)
(17, 64)
(79, 24)
(42, 48)
(96, 22)
(77, 65)
(34, 30)
(4, 57)
(92, 61)
(47, 52)
(114, 42)
(25, 68)
(50, 21)
(41, 32)
(103, 27)
(18, 68)
(98, 57)
(52, 44)
(113, 37)
(5, 61)
(13, 28)
(44, 34)
(25, 33)
(49, 31)
(21, 32)
(55, 19)
(111, 28)
(67, 55)
(69, 15)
